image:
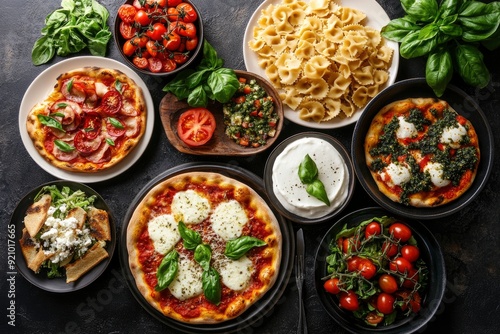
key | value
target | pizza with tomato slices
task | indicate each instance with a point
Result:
(92, 119)
(421, 152)
(203, 247)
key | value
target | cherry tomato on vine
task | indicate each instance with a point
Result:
(192, 43)
(187, 29)
(401, 265)
(410, 252)
(129, 48)
(412, 279)
(349, 300)
(126, 13)
(157, 31)
(142, 17)
(351, 244)
(172, 41)
(367, 269)
(173, 14)
(389, 249)
(400, 231)
(173, 3)
(388, 283)
(127, 30)
(152, 48)
(180, 58)
(186, 12)
(332, 286)
(385, 303)
(353, 263)
(373, 318)
(372, 229)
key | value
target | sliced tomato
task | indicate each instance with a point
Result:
(154, 64)
(127, 13)
(140, 62)
(92, 125)
(85, 145)
(127, 30)
(196, 126)
(111, 102)
(73, 91)
(115, 127)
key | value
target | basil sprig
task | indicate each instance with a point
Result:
(50, 122)
(450, 33)
(238, 247)
(212, 288)
(167, 270)
(63, 146)
(308, 174)
(208, 81)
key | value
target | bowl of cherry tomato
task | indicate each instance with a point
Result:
(158, 37)
(377, 272)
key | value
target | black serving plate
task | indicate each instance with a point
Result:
(430, 252)
(256, 312)
(458, 100)
(59, 284)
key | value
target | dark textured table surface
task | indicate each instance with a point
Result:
(469, 238)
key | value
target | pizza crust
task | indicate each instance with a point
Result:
(433, 197)
(251, 201)
(132, 93)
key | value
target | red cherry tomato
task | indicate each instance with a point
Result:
(388, 283)
(410, 252)
(127, 30)
(142, 18)
(400, 231)
(186, 12)
(173, 3)
(168, 65)
(349, 300)
(111, 102)
(390, 249)
(152, 48)
(180, 58)
(140, 62)
(332, 286)
(172, 41)
(372, 229)
(353, 263)
(157, 31)
(139, 41)
(173, 14)
(385, 303)
(401, 265)
(129, 48)
(192, 43)
(187, 29)
(412, 279)
(349, 245)
(127, 13)
(196, 126)
(367, 269)
(154, 64)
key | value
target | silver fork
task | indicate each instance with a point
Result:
(299, 278)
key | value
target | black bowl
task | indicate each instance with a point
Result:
(458, 100)
(268, 179)
(193, 55)
(430, 252)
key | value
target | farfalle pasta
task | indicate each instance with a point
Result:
(323, 60)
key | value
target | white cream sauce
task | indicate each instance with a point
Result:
(332, 171)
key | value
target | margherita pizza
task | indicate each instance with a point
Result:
(421, 152)
(90, 121)
(203, 247)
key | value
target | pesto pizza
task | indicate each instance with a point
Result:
(203, 247)
(421, 152)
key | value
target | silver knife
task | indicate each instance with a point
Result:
(299, 275)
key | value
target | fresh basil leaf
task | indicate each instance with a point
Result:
(211, 285)
(224, 83)
(451, 30)
(203, 255)
(118, 86)
(43, 50)
(196, 78)
(448, 9)
(317, 189)
(98, 45)
(421, 10)
(236, 248)
(412, 47)
(116, 123)
(308, 171)
(428, 32)
(178, 85)
(57, 114)
(479, 20)
(211, 60)
(167, 270)
(51, 122)
(101, 11)
(439, 71)
(471, 66)
(190, 237)
(63, 146)
(197, 97)
(398, 29)
(110, 141)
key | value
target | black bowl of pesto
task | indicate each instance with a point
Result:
(459, 101)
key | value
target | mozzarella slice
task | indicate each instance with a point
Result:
(228, 220)
(397, 174)
(188, 282)
(235, 274)
(406, 129)
(101, 89)
(435, 170)
(453, 135)
(164, 233)
(190, 207)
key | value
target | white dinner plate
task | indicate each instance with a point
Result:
(43, 85)
(376, 18)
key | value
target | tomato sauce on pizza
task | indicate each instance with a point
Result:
(213, 237)
(421, 152)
